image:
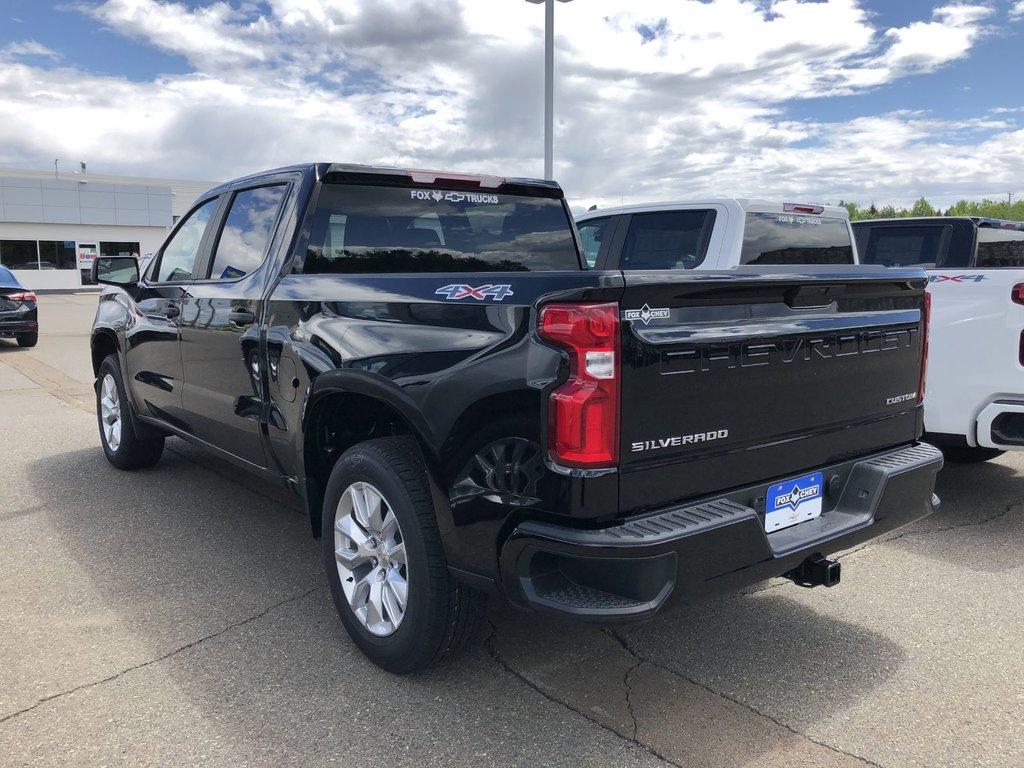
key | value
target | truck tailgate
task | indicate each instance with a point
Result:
(731, 378)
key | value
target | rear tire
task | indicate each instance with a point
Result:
(122, 446)
(28, 339)
(384, 560)
(961, 454)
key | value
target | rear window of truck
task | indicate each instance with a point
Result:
(373, 229)
(785, 238)
(1000, 248)
(903, 246)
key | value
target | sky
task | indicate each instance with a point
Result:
(811, 100)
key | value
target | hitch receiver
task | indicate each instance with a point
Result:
(816, 570)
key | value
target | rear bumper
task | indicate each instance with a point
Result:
(698, 550)
(1001, 425)
(17, 322)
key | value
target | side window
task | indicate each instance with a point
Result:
(676, 240)
(179, 256)
(591, 234)
(243, 241)
(1000, 248)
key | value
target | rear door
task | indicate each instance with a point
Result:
(220, 332)
(736, 377)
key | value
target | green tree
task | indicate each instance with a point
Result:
(922, 208)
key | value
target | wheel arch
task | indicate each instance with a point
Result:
(345, 408)
(104, 342)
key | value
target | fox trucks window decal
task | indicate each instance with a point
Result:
(458, 292)
(452, 197)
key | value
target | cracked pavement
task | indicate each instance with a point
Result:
(178, 616)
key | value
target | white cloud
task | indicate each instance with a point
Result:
(1017, 10)
(668, 98)
(27, 48)
(924, 46)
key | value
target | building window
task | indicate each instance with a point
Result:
(19, 254)
(57, 254)
(119, 249)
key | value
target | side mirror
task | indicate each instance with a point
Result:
(115, 270)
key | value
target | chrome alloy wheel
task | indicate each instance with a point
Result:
(110, 412)
(370, 553)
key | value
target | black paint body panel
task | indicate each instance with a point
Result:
(329, 359)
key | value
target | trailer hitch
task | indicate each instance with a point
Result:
(815, 571)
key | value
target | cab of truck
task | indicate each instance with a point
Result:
(716, 233)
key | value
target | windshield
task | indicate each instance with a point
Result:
(786, 238)
(363, 228)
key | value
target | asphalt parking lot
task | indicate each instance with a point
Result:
(178, 616)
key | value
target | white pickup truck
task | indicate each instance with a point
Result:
(974, 401)
(718, 233)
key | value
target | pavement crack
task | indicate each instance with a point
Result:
(629, 694)
(932, 531)
(164, 657)
(750, 708)
(492, 649)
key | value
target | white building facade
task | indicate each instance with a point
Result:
(53, 226)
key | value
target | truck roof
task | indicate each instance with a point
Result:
(981, 221)
(415, 175)
(744, 204)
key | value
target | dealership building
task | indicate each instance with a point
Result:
(53, 225)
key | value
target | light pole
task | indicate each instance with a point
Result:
(549, 82)
(1009, 205)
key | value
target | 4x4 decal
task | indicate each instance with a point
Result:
(458, 292)
(955, 278)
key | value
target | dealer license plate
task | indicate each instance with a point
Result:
(793, 501)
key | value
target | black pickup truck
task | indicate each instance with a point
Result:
(464, 407)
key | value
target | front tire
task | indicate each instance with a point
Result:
(123, 448)
(384, 560)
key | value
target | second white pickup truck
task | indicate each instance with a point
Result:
(716, 233)
(974, 402)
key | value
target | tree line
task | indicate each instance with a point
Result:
(987, 208)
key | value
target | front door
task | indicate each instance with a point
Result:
(154, 371)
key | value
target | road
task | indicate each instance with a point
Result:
(178, 616)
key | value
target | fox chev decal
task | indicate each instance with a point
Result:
(458, 292)
(754, 354)
(645, 314)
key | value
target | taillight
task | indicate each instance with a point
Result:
(22, 296)
(800, 208)
(1018, 293)
(926, 325)
(583, 413)
(456, 179)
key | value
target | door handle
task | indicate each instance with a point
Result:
(242, 317)
(172, 310)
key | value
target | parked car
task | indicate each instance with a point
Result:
(19, 315)
(974, 408)
(464, 407)
(717, 233)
